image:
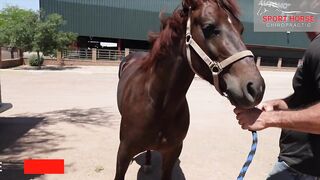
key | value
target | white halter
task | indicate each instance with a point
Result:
(215, 67)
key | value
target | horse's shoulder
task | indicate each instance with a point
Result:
(131, 58)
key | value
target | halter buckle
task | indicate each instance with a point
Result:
(215, 67)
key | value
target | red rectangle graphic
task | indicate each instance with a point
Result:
(44, 166)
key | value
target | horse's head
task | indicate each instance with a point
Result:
(217, 53)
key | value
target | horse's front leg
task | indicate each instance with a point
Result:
(169, 158)
(123, 160)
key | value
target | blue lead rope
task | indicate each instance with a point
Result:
(250, 156)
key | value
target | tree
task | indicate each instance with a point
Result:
(17, 28)
(29, 30)
(48, 38)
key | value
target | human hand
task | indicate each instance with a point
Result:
(273, 105)
(251, 119)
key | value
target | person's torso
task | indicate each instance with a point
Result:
(299, 150)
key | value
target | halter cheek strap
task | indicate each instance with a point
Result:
(215, 67)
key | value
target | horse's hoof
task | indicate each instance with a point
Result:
(147, 169)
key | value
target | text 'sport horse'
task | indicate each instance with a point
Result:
(202, 37)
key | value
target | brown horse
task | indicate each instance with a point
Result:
(202, 37)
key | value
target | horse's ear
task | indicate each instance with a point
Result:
(186, 4)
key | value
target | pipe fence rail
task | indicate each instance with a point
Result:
(81, 54)
(105, 55)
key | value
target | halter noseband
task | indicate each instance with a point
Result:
(215, 67)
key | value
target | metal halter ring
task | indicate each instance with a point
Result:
(215, 67)
(188, 39)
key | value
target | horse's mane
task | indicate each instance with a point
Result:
(173, 27)
(171, 30)
(231, 6)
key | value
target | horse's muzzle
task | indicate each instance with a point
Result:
(246, 94)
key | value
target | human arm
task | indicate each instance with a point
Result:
(304, 120)
(281, 104)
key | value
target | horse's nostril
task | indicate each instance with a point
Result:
(252, 92)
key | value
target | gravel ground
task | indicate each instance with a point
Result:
(72, 114)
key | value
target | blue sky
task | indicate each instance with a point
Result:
(25, 4)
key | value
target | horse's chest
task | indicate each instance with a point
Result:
(171, 134)
(166, 140)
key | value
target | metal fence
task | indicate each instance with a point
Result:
(81, 54)
(9, 53)
(138, 50)
(97, 54)
(104, 54)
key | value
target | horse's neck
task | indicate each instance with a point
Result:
(174, 75)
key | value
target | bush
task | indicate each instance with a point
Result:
(34, 61)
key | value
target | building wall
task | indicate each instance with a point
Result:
(133, 19)
(123, 19)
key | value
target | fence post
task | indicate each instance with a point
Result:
(126, 51)
(300, 62)
(279, 63)
(258, 62)
(59, 58)
(94, 54)
(0, 57)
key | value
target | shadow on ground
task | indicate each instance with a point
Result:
(12, 129)
(80, 117)
(14, 171)
(155, 172)
(29, 134)
(48, 68)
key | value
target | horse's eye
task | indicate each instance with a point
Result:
(210, 30)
